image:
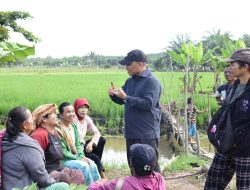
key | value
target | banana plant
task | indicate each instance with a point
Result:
(217, 61)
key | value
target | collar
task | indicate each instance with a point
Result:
(144, 74)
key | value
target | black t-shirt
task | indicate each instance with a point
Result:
(224, 90)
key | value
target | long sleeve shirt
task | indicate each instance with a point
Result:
(153, 182)
(87, 126)
(142, 108)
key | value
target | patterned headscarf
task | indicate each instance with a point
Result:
(42, 111)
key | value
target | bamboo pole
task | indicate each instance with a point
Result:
(171, 81)
(186, 96)
(209, 119)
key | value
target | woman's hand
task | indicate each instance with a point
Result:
(86, 160)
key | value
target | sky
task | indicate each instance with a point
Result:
(114, 27)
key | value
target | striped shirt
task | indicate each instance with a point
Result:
(191, 114)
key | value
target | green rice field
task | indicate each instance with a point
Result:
(35, 86)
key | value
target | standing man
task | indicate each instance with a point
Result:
(237, 160)
(222, 91)
(140, 95)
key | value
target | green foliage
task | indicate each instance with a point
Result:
(179, 58)
(77, 187)
(33, 186)
(8, 21)
(184, 163)
(176, 44)
(33, 87)
(10, 51)
(215, 41)
(246, 39)
(195, 52)
(231, 47)
(4, 33)
(72, 186)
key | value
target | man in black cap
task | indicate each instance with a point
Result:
(143, 160)
(237, 159)
(140, 95)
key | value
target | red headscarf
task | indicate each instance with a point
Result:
(77, 104)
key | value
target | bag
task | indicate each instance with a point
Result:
(68, 176)
(76, 176)
(2, 134)
(220, 130)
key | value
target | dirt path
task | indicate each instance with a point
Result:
(185, 183)
(196, 182)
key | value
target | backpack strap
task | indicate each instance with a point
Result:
(119, 183)
(2, 134)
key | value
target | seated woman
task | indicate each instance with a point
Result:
(72, 150)
(93, 148)
(22, 157)
(143, 160)
(45, 119)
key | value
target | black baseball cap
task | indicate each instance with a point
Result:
(240, 55)
(134, 55)
(143, 158)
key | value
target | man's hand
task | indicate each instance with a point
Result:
(120, 93)
(89, 147)
(111, 91)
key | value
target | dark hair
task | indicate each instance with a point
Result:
(61, 107)
(16, 117)
(242, 64)
(189, 100)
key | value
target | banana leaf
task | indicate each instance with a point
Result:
(11, 51)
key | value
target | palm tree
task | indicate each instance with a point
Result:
(215, 41)
(176, 44)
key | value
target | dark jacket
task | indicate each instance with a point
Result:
(240, 117)
(23, 163)
(142, 108)
(52, 147)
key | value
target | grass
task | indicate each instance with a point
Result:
(185, 163)
(33, 87)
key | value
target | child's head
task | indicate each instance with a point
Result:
(143, 159)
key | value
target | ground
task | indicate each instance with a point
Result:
(184, 183)
(184, 180)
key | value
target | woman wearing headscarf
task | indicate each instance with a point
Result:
(94, 147)
(73, 155)
(22, 157)
(46, 135)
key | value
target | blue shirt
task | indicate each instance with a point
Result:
(142, 107)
